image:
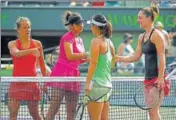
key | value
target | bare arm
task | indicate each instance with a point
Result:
(136, 56)
(172, 34)
(41, 58)
(95, 49)
(158, 40)
(87, 59)
(69, 52)
(167, 38)
(113, 54)
(120, 50)
(19, 53)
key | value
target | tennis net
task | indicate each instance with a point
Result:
(122, 106)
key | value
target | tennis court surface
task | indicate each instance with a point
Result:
(122, 103)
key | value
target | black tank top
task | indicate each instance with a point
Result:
(149, 49)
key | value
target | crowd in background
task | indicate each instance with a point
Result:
(126, 43)
(89, 3)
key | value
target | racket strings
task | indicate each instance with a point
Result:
(54, 56)
(147, 97)
(152, 97)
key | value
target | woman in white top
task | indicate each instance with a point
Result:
(125, 49)
(160, 27)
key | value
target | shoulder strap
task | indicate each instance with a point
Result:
(108, 43)
(143, 37)
(33, 43)
(18, 44)
(109, 47)
(151, 33)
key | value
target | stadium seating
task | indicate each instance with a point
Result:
(112, 3)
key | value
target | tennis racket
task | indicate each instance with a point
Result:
(80, 109)
(54, 56)
(79, 112)
(147, 97)
(44, 104)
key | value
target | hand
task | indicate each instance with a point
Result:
(85, 55)
(87, 90)
(174, 34)
(36, 52)
(85, 100)
(48, 73)
(117, 58)
(87, 59)
(123, 64)
(160, 83)
(88, 87)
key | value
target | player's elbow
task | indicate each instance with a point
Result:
(16, 54)
(135, 59)
(93, 64)
(70, 57)
(161, 54)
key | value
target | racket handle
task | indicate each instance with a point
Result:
(170, 74)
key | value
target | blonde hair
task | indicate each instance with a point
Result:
(18, 22)
(152, 12)
(159, 24)
(155, 11)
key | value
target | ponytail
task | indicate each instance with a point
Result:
(108, 30)
(103, 24)
(67, 15)
(155, 11)
(152, 12)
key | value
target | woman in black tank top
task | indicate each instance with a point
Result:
(150, 43)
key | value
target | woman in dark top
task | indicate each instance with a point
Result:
(150, 43)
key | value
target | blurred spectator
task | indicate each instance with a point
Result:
(160, 27)
(73, 3)
(164, 3)
(172, 3)
(4, 3)
(98, 3)
(168, 3)
(48, 71)
(125, 49)
(172, 35)
(85, 3)
(112, 4)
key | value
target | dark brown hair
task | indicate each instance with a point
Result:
(105, 30)
(72, 18)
